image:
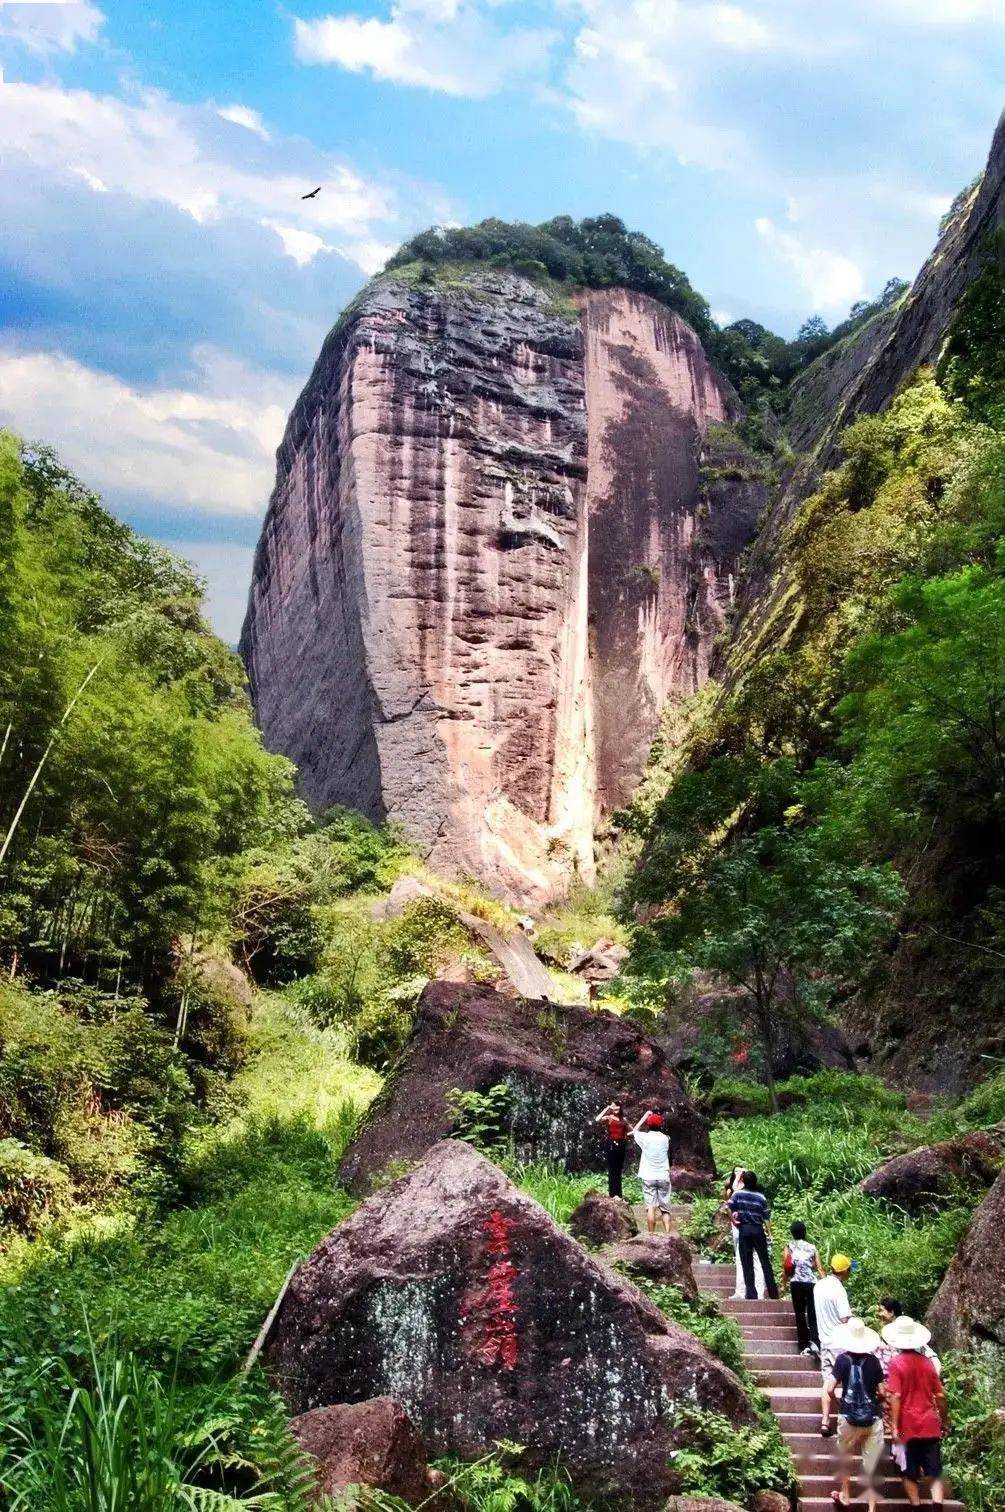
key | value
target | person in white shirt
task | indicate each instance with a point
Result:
(654, 1168)
(831, 1305)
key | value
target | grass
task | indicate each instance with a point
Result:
(559, 1193)
(177, 1302)
(810, 1159)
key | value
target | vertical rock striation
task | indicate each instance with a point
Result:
(488, 561)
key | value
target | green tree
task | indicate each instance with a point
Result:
(784, 915)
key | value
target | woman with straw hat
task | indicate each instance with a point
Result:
(859, 1376)
(917, 1408)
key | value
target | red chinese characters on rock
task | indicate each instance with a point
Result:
(488, 1313)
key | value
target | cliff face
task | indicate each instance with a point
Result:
(860, 377)
(487, 562)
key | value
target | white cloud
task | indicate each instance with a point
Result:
(369, 255)
(208, 448)
(453, 46)
(833, 282)
(154, 149)
(243, 115)
(302, 246)
(47, 26)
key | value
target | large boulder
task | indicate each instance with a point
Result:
(455, 1293)
(970, 1303)
(365, 1444)
(600, 1219)
(933, 1172)
(563, 1065)
(666, 1258)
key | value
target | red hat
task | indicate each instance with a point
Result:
(654, 1121)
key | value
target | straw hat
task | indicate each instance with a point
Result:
(855, 1337)
(905, 1333)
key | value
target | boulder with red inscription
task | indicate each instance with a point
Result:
(456, 1294)
(370, 1443)
(562, 1063)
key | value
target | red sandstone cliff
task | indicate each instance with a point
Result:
(488, 560)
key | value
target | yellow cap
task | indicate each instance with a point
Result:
(840, 1263)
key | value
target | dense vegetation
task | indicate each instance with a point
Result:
(600, 252)
(171, 1127)
(836, 1128)
(849, 775)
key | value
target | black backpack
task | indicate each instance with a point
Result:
(857, 1407)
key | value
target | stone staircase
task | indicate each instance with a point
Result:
(791, 1382)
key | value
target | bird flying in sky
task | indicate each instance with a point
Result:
(312, 193)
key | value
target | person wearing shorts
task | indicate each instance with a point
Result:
(858, 1375)
(917, 1408)
(654, 1168)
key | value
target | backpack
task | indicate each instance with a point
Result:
(857, 1406)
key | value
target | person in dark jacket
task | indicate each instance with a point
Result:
(615, 1143)
(750, 1211)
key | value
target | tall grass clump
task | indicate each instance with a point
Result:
(114, 1435)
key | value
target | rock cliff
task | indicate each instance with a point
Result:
(488, 560)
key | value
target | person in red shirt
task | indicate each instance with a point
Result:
(613, 1118)
(917, 1408)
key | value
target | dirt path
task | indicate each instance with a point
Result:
(792, 1383)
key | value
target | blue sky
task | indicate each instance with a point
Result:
(164, 290)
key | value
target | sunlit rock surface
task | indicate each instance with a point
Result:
(487, 562)
(563, 1064)
(457, 1295)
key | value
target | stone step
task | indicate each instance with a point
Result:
(815, 1486)
(789, 1361)
(785, 1399)
(756, 1312)
(760, 1332)
(824, 1503)
(798, 1419)
(775, 1344)
(776, 1378)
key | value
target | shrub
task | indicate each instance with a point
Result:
(115, 1434)
(975, 1447)
(720, 1335)
(731, 1465)
(33, 1188)
(483, 1119)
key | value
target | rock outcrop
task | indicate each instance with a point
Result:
(970, 1303)
(666, 1258)
(563, 1064)
(457, 1295)
(372, 1444)
(600, 1219)
(933, 1173)
(487, 562)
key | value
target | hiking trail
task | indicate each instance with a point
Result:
(791, 1382)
